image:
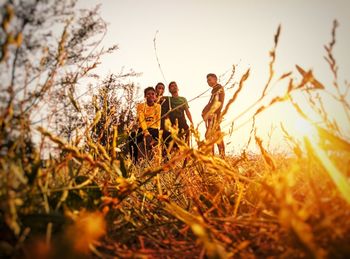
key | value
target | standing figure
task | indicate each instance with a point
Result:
(164, 102)
(178, 106)
(212, 111)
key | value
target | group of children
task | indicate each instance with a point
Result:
(157, 108)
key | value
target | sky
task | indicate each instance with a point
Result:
(199, 37)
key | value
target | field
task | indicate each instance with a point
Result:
(76, 193)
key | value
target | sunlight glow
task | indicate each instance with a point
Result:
(311, 139)
(305, 129)
(309, 133)
(338, 178)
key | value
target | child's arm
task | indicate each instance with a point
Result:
(188, 114)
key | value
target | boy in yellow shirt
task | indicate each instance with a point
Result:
(149, 117)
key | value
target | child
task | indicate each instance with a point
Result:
(178, 109)
(148, 114)
(212, 114)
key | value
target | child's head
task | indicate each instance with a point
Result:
(160, 89)
(212, 80)
(150, 95)
(173, 89)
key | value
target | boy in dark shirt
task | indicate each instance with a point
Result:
(164, 104)
(212, 111)
(162, 100)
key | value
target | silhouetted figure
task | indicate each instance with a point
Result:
(212, 111)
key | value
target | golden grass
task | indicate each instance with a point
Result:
(91, 199)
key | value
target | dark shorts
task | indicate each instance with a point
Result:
(184, 133)
(154, 133)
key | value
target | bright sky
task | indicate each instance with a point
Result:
(197, 37)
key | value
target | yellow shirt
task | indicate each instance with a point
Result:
(148, 116)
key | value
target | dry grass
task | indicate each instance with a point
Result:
(92, 201)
